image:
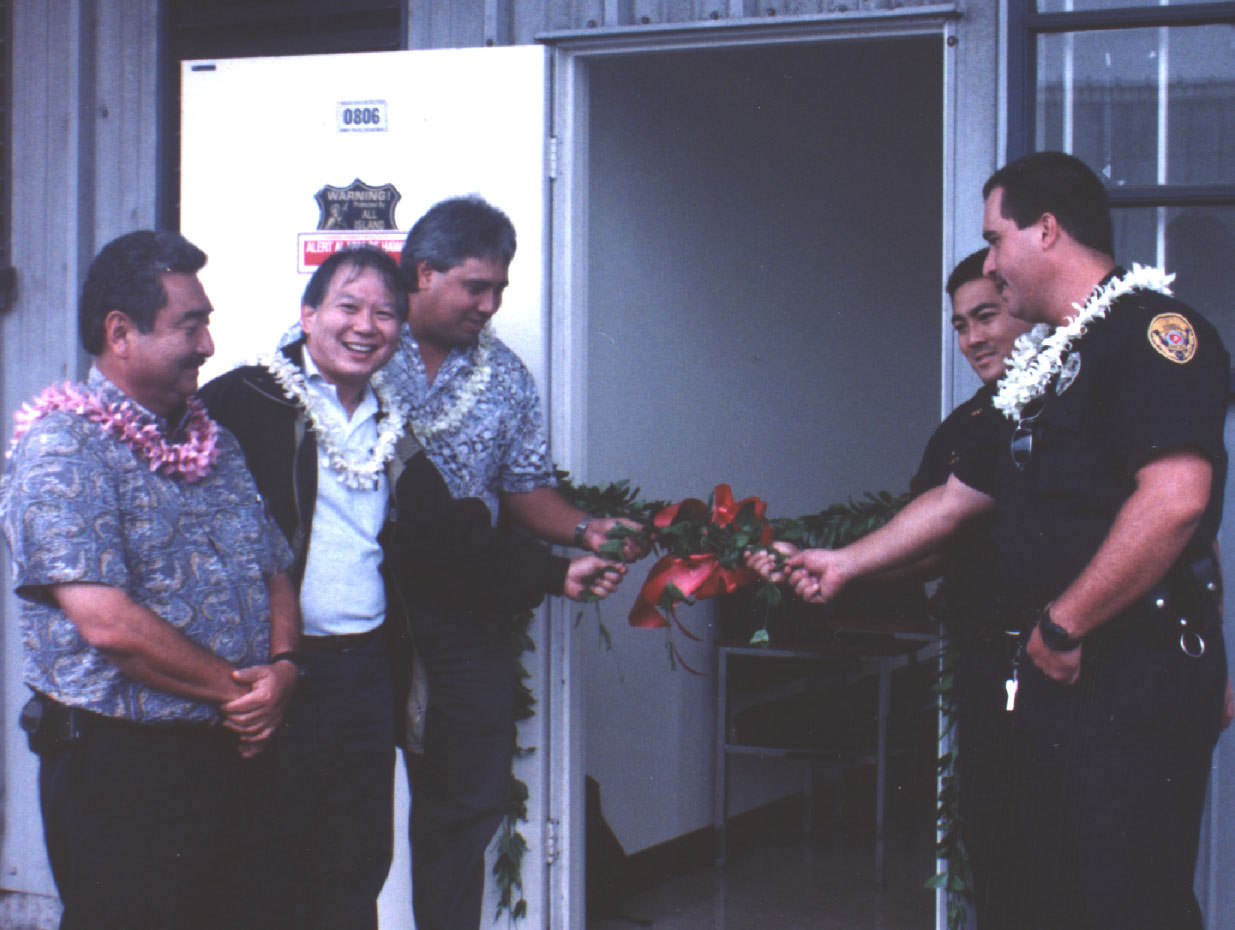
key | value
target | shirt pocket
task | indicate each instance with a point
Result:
(1068, 458)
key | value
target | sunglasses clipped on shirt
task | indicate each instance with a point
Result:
(1022, 436)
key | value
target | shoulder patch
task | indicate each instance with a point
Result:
(1172, 337)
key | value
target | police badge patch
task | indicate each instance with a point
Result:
(1172, 337)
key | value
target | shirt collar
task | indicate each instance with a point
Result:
(317, 383)
(109, 393)
(457, 354)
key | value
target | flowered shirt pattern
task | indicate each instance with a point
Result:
(501, 445)
(78, 506)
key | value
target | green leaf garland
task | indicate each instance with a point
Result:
(831, 528)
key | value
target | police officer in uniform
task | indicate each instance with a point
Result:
(968, 601)
(1108, 504)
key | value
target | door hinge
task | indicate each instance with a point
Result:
(551, 148)
(551, 850)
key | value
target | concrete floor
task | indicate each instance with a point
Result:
(778, 878)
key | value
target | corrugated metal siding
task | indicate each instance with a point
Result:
(244, 28)
(124, 124)
(465, 23)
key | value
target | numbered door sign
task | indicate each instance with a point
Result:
(361, 116)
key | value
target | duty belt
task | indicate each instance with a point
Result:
(1187, 604)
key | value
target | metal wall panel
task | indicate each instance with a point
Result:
(37, 337)
(126, 108)
(83, 168)
(465, 23)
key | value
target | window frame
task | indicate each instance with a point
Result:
(8, 275)
(1025, 25)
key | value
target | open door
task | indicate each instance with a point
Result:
(717, 262)
(286, 159)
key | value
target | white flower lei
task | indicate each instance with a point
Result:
(1038, 354)
(466, 396)
(357, 475)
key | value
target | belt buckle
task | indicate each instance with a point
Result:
(67, 722)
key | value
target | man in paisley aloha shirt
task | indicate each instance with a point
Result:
(476, 411)
(154, 610)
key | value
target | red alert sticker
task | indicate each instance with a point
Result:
(315, 247)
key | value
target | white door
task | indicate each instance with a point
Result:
(262, 138)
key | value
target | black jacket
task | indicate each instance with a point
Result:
(437, 550)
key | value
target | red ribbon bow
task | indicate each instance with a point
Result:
(698, 575)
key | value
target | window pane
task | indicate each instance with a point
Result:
(1199, 243)
(1141, 106)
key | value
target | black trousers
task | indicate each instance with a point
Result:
(149, 828)
(989, 807)
(339, 756)
(1112, 774)
(460, 785)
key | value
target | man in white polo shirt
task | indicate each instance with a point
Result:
(375, 531)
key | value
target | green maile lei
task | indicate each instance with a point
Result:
(831, 528)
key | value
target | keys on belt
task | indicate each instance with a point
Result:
(1014, 679)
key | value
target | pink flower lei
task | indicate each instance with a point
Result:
(190, 460)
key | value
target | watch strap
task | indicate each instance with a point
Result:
(291, 655)
(581, 532)
(1056, 638)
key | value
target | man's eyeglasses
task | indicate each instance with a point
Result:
(1022, 436)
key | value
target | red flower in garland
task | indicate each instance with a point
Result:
(705, 546)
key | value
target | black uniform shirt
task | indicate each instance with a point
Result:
(967, 444)
(969, 439)
(1152, 378)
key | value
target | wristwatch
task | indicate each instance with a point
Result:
(1057, 639)
(581, 532)
(293, 656)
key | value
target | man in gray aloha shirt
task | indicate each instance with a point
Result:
(476, 411)
(154, 613)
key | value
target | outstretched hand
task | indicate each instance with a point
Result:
(818, 575)
(630, 546)
(592, 578)
(770, 564)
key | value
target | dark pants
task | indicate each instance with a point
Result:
(149, 828)
(989, 807)
(339, 740)
(460, 785)
(1112, 774)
